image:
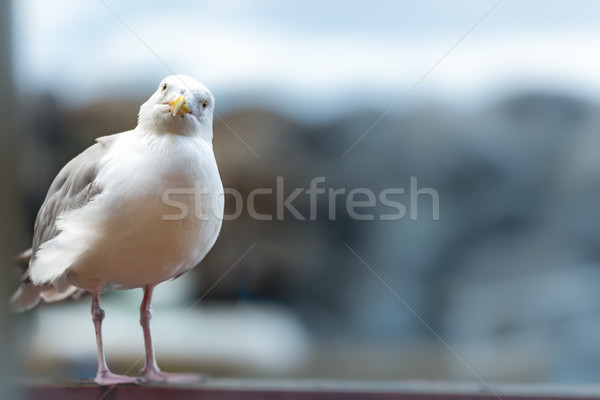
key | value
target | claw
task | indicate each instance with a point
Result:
(107, 378)
(156, 375)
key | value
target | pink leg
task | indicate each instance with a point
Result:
(104, 376)
(151, 370)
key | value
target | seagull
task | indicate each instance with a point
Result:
(128, 213)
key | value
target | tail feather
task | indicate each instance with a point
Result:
(52, 294)
(25, 298)
(29, 295)
(23, 259)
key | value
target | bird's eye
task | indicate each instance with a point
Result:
(204, 104)
(164, 87)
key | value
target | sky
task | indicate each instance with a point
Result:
(328, 53)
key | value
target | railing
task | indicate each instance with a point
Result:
(223, 389)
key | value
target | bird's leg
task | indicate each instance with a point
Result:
(145, 317)
(151, 370)
(104, 376)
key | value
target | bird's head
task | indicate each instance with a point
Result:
(181, 105)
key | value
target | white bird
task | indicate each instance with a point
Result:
(127, 213)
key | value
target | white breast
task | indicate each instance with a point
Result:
(152, 220)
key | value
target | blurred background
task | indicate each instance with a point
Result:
(495, 105)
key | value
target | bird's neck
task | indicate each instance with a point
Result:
(203, 132)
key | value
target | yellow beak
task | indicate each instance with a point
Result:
(178, 106)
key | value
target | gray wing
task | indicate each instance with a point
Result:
(74, 186)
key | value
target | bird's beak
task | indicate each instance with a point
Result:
(178, 106)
